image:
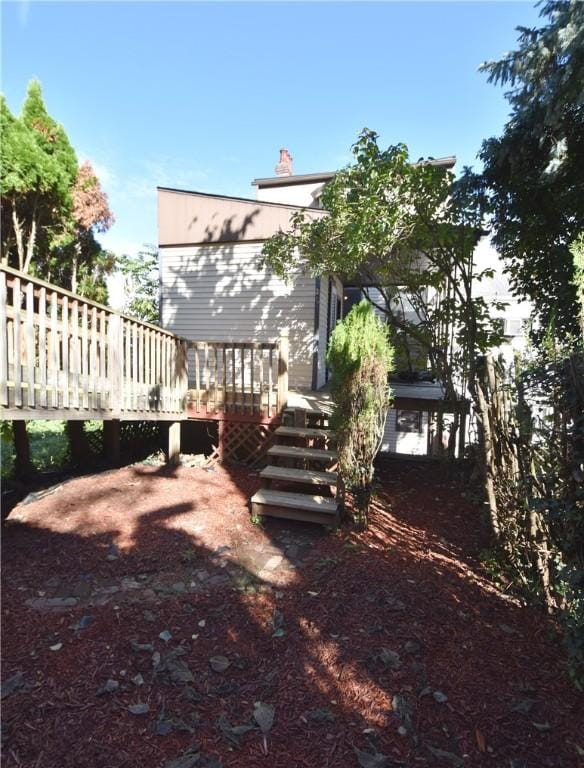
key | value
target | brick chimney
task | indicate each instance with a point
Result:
(284, 167)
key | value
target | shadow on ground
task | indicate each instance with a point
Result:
(390, 642)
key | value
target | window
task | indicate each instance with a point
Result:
(408, 421)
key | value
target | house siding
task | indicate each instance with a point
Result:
(216, 293)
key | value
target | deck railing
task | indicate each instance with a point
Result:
(242, 379)
(65, 357)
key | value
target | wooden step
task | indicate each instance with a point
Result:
(308, 476)
(295, 506)
(294, 452)
(308, 432)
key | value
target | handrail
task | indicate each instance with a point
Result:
(239, 377)
(90, 302)
(66, 357)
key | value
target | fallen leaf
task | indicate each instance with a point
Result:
(110, 686)
(439, 697)
(219, 663)
(279, 632)
(390, 658)
(375, 760)
(263, 714)
(188, 759)
(56, 647)
(232, 734)
(165, 635)
(524, 706)
(11, 685)
(138, 709)
(147, 647)
(542, 727)
(320, 715)
(448, 757)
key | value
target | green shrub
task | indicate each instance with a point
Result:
(360, 357)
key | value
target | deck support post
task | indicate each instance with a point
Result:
(174, 443)
(23, 464)
(111, 440)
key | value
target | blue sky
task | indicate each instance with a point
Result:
(202, 95)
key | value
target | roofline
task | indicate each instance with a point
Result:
(304, 178)
(251, 200)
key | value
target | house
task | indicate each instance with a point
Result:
(213, 288)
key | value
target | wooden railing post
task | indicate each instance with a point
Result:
(115, 363)
(283, 352)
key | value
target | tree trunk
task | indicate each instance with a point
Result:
(17, 224)
(486, 445)
(22, 465)
(74, 268)
(31, 241)
(78, 445)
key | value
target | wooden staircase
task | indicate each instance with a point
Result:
(300, 463)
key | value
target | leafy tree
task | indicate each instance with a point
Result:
(361, 358)
(78, 260)
(408, 230)
(39, 168)
(533, 171)
(141, 284)
(51, 209)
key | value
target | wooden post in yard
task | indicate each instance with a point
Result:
(23, 463)
(174, 443)
(111, 441)
(283, 370)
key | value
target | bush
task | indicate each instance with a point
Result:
(360, 357)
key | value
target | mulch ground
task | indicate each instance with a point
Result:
(391, 642)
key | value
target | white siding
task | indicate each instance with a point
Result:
(216, 293)
(294, 194)
(412, 443)
(322, 331)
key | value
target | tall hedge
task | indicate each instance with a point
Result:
(360, 356)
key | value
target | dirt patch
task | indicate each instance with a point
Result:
(186, 615)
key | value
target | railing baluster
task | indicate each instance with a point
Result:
(103, 389)
(93, 359)
(251, 362)
(224, 377)
(242, 380)
(3, 341)
(215, 375)
(55, 361)
(261, 404)
(233, 386)
(43, 347)
(75, 353)
(65, 349)
(30, 346)
(85, 355)
(206, 348)
(270, 381)
(17, 330)
(140, 388)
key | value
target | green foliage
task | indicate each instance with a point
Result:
(50, 207)
(577, 250)
(141, 284)
(360, 357)
(409, 230)
(533, 171)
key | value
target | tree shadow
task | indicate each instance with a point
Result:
(350, 637)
